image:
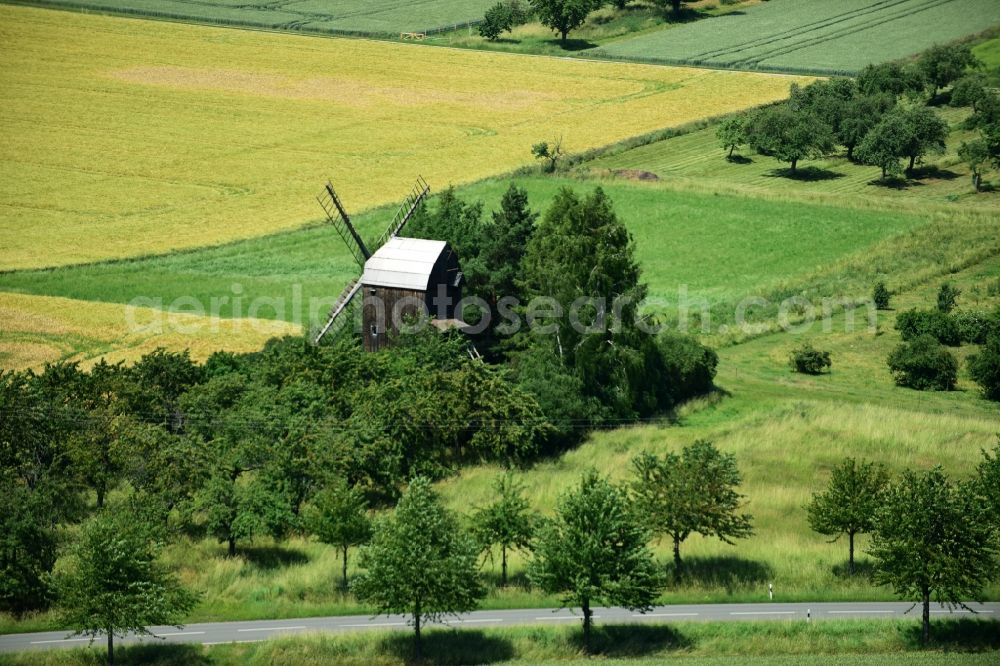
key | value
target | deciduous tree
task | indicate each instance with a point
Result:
(338, 515)
(506, 522)
(594, 551)
(112, 582)
(943, 63)
(419, 562)
(690, 493)
(932, 541)
(732, 132)
(789, 135)
(849, 503)
(563, 16)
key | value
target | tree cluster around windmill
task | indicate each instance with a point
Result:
(704, 311)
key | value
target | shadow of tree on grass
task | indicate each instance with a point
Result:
(632, 640)
(448, 647)
(272, 557)
(727, 571)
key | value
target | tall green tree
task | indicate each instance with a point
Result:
(690, 493)
(849, 503)
(563, 16)
(927, 133)
(942, 64)
(495, 271)
(932, 541)
(594, 551)
(506, 522)
(582, 257)
(732, 132)
(790, 135)
(419, 562)
(113, 583)
(904, 132)
(338, 516)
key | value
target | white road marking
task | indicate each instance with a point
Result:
(957, 610)
(664, 614)
(183, 633)
(374, 624)
(256, 640)
(763, 612)
(63, 640)
(853, 612)
(491, 619)
(271, 629)
(567, 617)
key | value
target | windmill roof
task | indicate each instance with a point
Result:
(403, 263)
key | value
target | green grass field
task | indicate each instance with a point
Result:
(790, 35)
(827, 643)
(750, 244)
(378, 17)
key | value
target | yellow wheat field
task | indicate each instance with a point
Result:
(35, 330)
(126, 137)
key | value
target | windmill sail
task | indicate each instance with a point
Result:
(406, 210)
(341, 221)
(341, 304)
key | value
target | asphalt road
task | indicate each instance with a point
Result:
(259, 630)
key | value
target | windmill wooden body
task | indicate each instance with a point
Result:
(399, 277)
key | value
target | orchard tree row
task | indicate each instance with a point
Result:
(882, 117)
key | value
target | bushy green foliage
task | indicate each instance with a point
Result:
(789, 134)
(975, 326)
(923, 364)
(942, 64)
(809, 361)
(947, 297)
(594, 551)
(881, 296)
(941, 326)
(984, 367)
(906, 131)
(849, 503)
(691, 493)
(563, 16)
(932, 540)
(890, 78)
(112, 582)
(688, 366)
(732, 132)
(419, 562)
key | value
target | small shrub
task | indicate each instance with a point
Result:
(974, 326)
(924, 364)
(939, 325)
(810, 361)
(984, 368)
(947, 297)
(880, 295)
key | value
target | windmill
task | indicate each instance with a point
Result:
(399, 276)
